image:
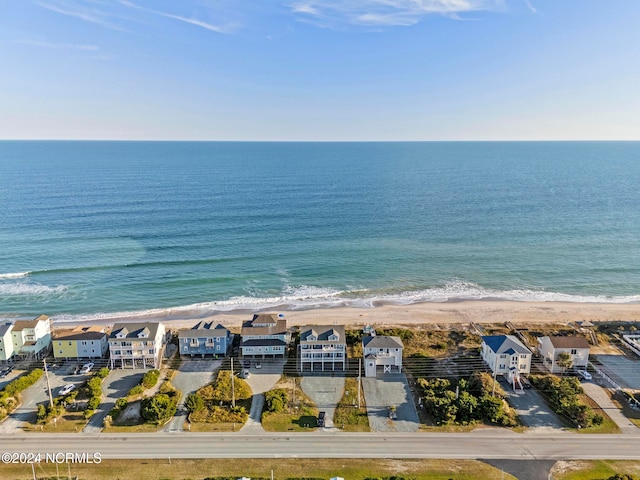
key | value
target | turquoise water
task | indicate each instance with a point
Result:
(95, 228)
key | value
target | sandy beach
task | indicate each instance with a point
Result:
(483, 311)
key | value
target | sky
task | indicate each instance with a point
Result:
(320, 70)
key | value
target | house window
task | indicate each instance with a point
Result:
(69, 343)
(574, 351)
(523, 366)
(501, 367)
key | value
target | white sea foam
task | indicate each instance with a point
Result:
(309, 297)
(28, 289)
(4, 276)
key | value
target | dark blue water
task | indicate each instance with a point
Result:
(88, 228)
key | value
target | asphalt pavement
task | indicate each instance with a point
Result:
(390, 390)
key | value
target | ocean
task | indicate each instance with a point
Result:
(102, 229)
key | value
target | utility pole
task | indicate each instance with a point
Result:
(359, 380)
(46, 374)
(233, 386)
(495, 372)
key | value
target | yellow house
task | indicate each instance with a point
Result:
(81, 342)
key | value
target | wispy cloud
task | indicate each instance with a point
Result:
(383, 12)
(88, 14)
(59, 46)
(218, 28)
(530, 6)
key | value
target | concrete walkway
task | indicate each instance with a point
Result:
(600, 396)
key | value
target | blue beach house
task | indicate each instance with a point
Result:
(205, 339)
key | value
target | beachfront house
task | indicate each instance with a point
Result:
(205, 339)
(32, 338)
(136, 345)
(506, 355)
(382, 351)
(562, 353)
(322, 347)
(6, 342)
(265, 335)
(80, 342)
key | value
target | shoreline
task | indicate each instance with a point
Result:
(428, 313)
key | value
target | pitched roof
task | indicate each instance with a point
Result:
(204, 330)
(322, 333)
(133, 330)
(572, 341)
(505, 344)
(80, 333)
(258, 328)
(4, 328)
(22, 324)
(382, 341)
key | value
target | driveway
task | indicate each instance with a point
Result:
(261, 380)
(190, 376)
(384, 391)
(116, 385)
(601, 397)
(325, 391)
(622, 369)
(533, 410)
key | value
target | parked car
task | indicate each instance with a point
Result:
(67, 389)
(86, 368)
(321, 417)
(5, 371)
(525, 382)
(584, 375)
(245, 374)
(258, 365)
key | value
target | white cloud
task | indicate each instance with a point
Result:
(72, 9)
(383, 12)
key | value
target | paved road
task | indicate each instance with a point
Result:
(474, 445)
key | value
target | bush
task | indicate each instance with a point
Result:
(135, 391)
(193, 403)
(103, 372)
(121, 403)
(276, 400)
(150, 378)
(158, 408)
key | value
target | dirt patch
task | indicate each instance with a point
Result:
(131, 414)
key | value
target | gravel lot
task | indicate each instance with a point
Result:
(325, 391)
(390, 390)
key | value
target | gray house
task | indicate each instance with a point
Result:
(205, 339)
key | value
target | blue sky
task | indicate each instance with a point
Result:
(320, 69)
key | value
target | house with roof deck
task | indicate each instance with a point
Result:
(382, 351)
(32, 338)
(322, 347)
(265, 335)
(205, 339)
(506, 355)
(6, 342)
(136, 345)
(575, 346)
(80, 342)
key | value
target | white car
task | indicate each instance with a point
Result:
(67, 389)
(585, 375)
(86, 368)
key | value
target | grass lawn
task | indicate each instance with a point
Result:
(69, 422)
(351, 469)
(594, 469)
(300, 416)
(348, 417)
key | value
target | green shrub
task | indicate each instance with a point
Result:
(135, 391)
(103, 372)
(193, 402)
(150, 378)
(158, 408)
(121, 403)
(276, 400)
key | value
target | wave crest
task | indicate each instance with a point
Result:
(4, 276)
